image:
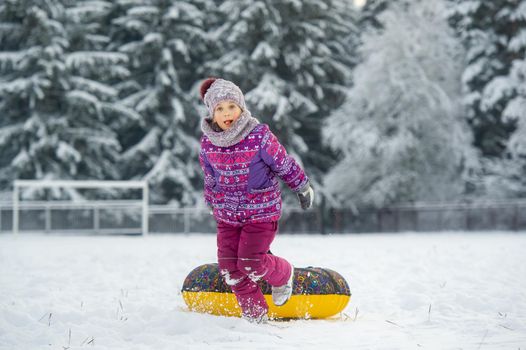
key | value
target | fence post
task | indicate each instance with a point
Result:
(416, 219)
(47, 219)
(516, 217)
(186, 219)
(397, 219)
(96, 218)
(321, 211)
(493, 217)
(468, 221)
(145, 209)
(337, 214)
(15, 209)
(440, 220)
(379, 219)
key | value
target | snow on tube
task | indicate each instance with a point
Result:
(317, 293)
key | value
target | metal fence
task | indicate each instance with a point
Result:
(429, 217)
(124, 217)
(102, 217)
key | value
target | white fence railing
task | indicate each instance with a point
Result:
(126, 217)
(20, 185)
(102, 217)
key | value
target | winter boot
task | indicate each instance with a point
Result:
(262, 319)
(281, 294)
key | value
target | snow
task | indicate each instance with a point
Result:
(410, 291)
(519, 13)
(10, 59)
(498, 89)
(268, 91)
(145, 146)
(518, 42)
(80, 59)
(94, 87)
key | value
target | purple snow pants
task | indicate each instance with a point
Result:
(243, 260)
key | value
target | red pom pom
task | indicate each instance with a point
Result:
(205, 86)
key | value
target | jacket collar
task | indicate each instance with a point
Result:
(239, 130)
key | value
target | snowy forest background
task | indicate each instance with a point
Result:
(396, 101)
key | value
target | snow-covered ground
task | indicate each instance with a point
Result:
(410, 291)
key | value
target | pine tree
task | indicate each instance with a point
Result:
(487, 29)
(401, 134)
(494, 34)
(369, 15)
(165, 41)
(293, 61)
(56, 122)
(514, 166)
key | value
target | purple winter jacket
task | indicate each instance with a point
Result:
(241, 180)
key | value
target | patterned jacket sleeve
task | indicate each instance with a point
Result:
(209, 182)
(283, 165)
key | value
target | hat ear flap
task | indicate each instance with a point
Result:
(205, 86)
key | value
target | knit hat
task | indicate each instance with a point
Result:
(214, 91)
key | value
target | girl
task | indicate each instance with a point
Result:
(241, 158)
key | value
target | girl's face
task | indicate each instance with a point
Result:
(226, 113)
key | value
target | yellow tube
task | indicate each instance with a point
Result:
(298, 306)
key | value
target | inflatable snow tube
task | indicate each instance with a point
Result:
(317, 293)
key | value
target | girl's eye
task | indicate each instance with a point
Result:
(232, 106)
(219, 109)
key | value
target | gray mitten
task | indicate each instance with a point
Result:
(306, 197)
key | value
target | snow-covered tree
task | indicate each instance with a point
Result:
(165, 41)
(507, 177)
(401, 133)
(516, 110)
(56, 121)
(370, 12)
(494, 34)
(292, 60)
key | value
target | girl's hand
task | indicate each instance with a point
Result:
(306, 197)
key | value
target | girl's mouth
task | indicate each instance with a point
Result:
(228, 122)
